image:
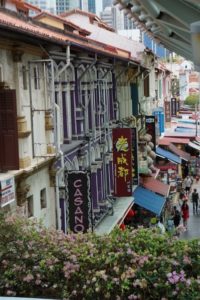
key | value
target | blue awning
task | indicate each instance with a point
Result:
(149, 200)
(169, 155)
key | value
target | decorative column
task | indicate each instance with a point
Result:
(94, 188)
(63, 216)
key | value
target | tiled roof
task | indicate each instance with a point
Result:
(19, 25)
(180, 134)
(155, 185)
(102, 35)
(64, 21)
(90, 15)
(186, 156)
(165, 141)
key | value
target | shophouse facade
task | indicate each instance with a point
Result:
(68, 92)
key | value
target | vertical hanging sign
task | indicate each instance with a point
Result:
(150, 126)
(122, 161)
(173, 107)
(167, 111)
(79, 210)
(135, 179)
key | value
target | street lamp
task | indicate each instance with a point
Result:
(195, 37)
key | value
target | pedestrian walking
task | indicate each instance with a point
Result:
(177, 217)
(187, 184)
(195, 200)
(185, 213)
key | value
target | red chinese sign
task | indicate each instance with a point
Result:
(122, 161)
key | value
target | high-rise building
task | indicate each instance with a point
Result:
(95, 6)
(84, 5)
(107, 16)
(107, 3)
(63, 5)
(92, 6)
(113, 17)
(44, 5)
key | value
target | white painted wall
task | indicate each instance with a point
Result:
(39, 181)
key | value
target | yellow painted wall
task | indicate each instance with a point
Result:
(54, 23)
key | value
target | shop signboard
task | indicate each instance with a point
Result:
(135, 178)
(173, 107)
(122, 161)
(79, 210)
(167, 111)
(7, 191)
(150, 124)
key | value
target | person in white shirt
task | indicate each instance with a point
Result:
(161, 226)
(188, 184)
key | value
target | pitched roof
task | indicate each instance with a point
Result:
(149, 200)
(14, 23)
(165, 141)
(155, 185)
(167, 154)
(92, 17)
(62, 20)
(186, 156)
(105, 36)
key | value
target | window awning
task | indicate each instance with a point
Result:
(149, 200)
(180, 134)
(155, 185)
(165, 141)
(194, 146)
(184, 155)
(121, 207)
(169, 155)
(185, 130)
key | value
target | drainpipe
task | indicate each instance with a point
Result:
(59, 151)
(31, 110)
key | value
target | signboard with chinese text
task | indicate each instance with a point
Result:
(122, 161)
(79, 210)
(135, 179)
(151, 128)
(167, 111)
(7, 191)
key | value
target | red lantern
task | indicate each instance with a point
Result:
(130, 214)
(122, 226)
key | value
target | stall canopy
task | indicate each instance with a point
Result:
(194, 146)
(184, 155)
(155, 186)
(165, 141)
(169, 155)
(149, 200)
(180, 134)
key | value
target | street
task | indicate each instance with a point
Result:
(193, 230)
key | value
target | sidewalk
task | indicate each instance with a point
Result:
(193, 230)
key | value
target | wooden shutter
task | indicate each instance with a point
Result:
(9, 156)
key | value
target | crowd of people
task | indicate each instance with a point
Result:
(182, 211)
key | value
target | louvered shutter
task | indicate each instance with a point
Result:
(9, 155)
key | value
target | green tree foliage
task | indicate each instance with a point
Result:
(192, 100)
(131, 264)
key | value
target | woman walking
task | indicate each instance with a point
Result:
(185, 213)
